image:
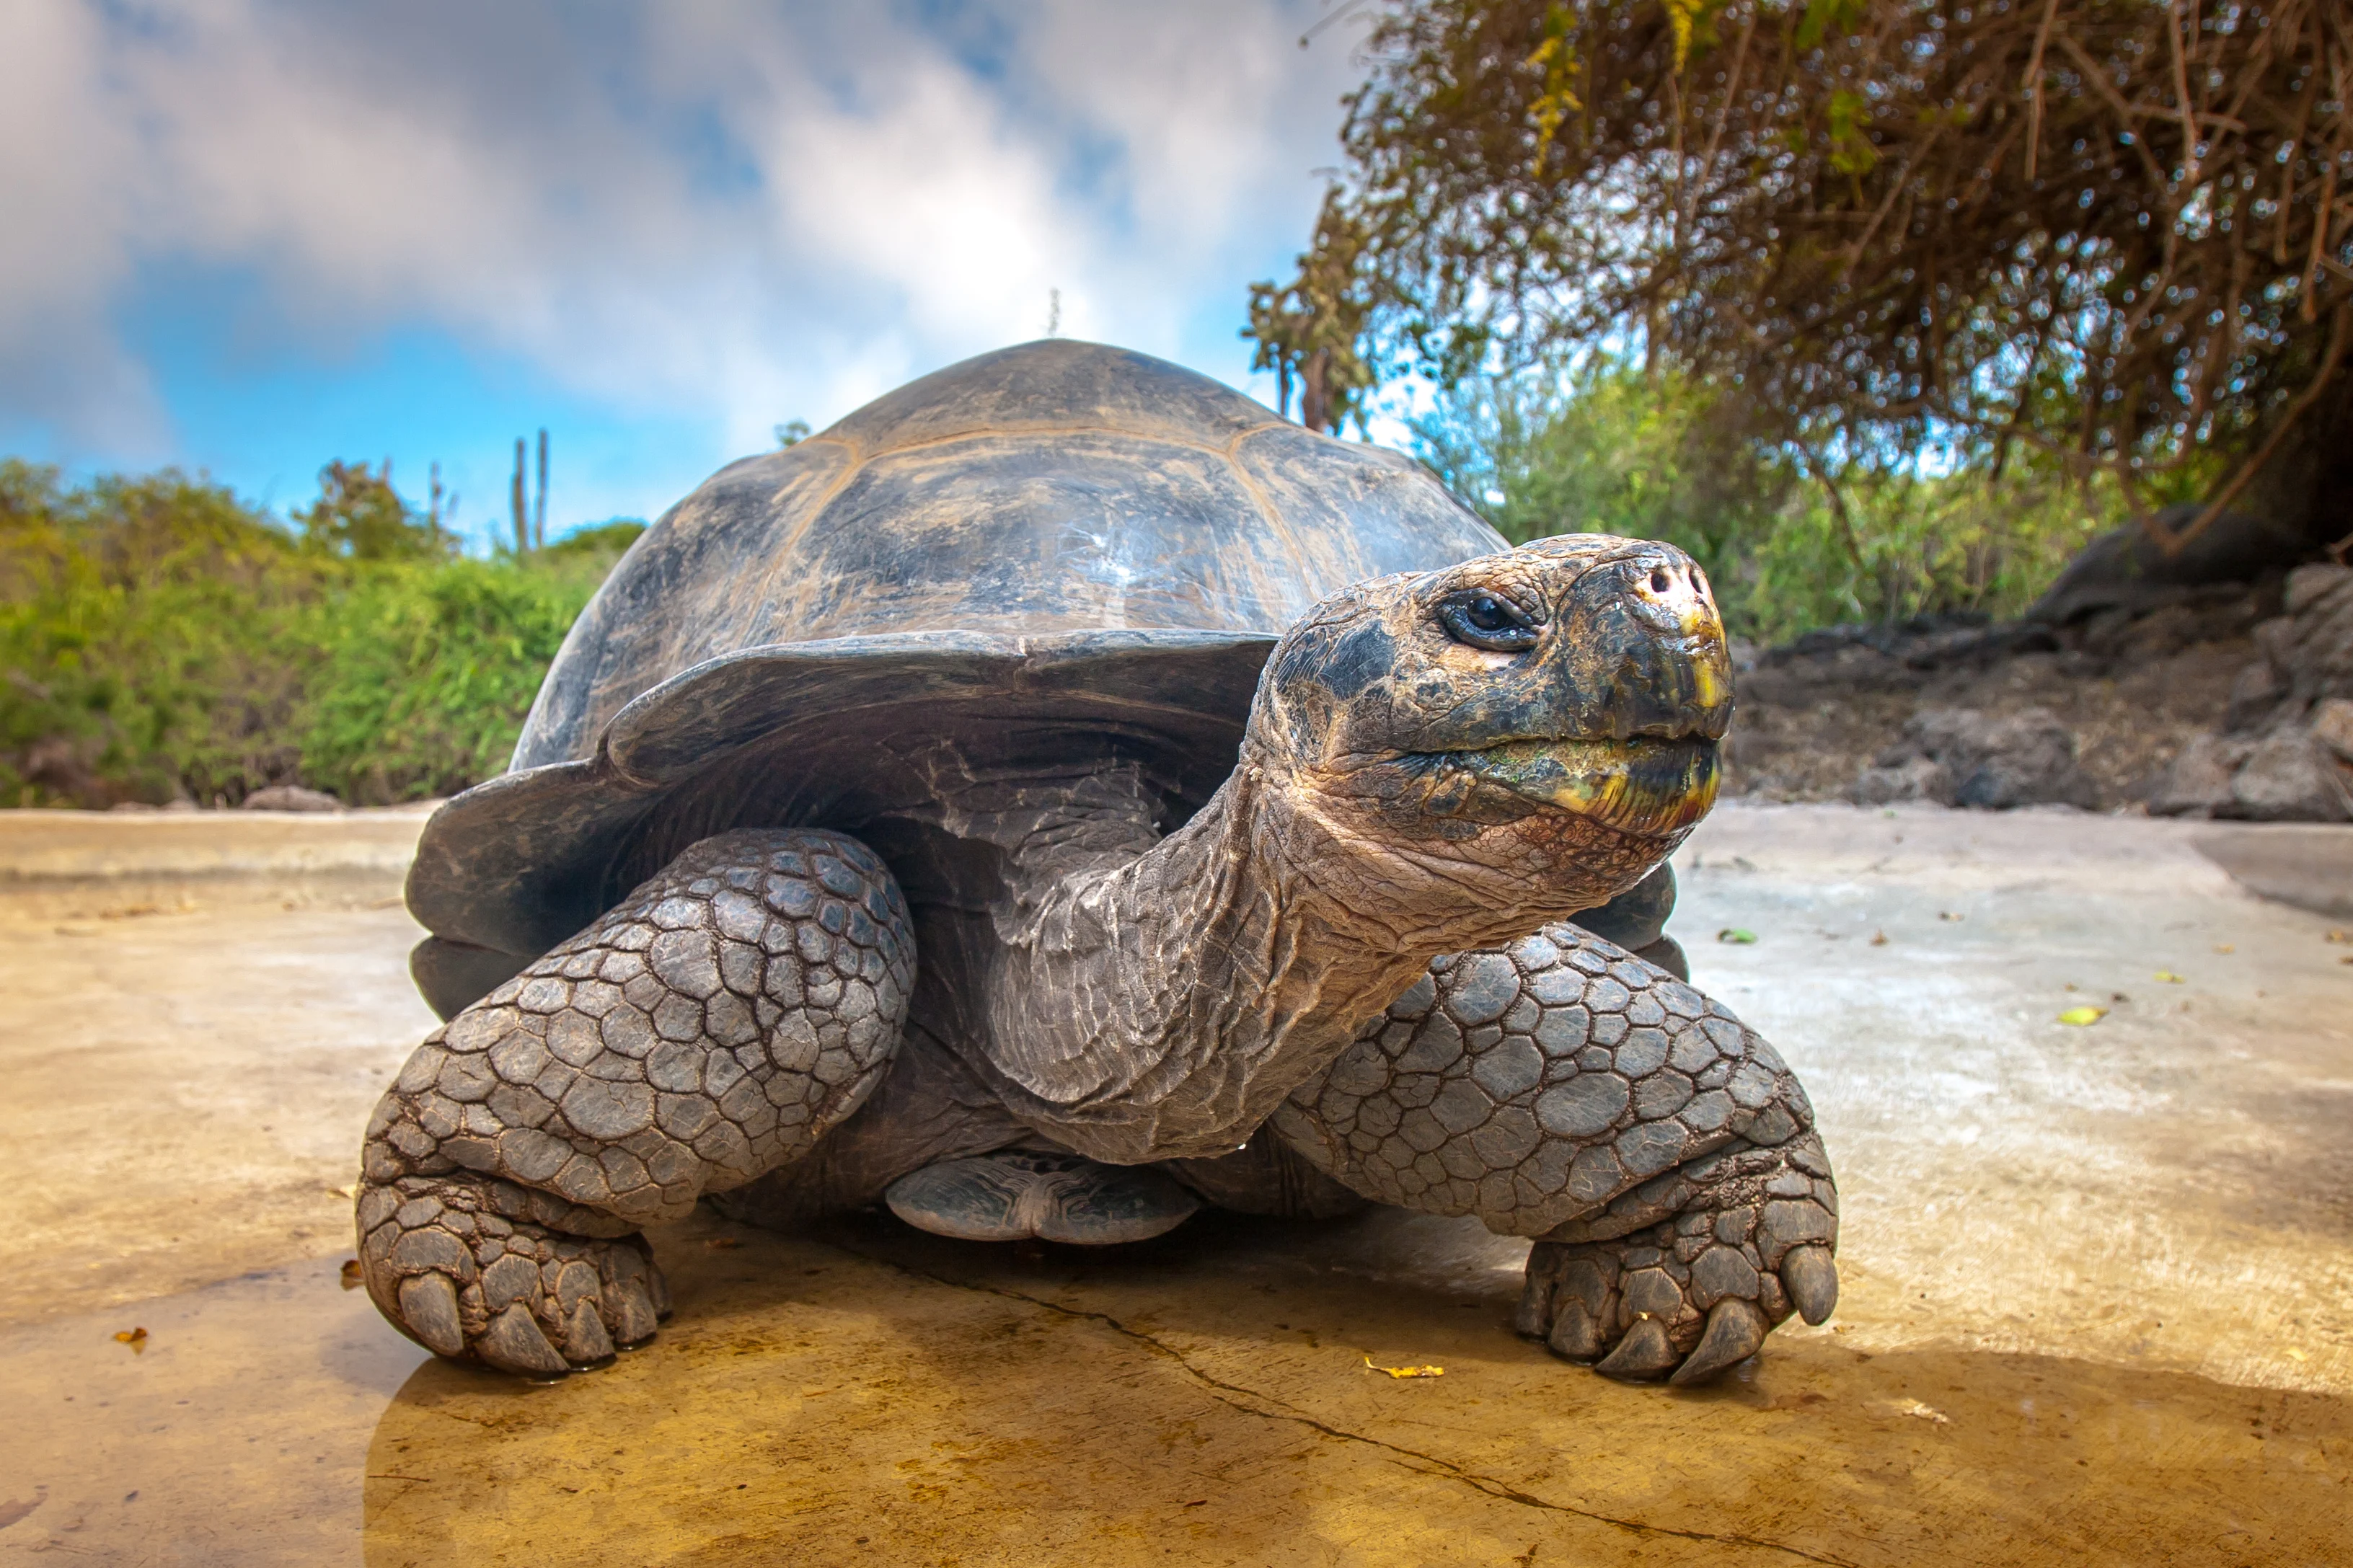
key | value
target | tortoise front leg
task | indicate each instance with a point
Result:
(1659, 1150)
(708, 1029)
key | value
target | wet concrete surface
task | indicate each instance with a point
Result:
(2098, 1303)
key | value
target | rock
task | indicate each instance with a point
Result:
(2197, 783)
(2289, 776)
(2254, 693)
(2307, 586)
(2332, 726)
(291, 798)
(1992, 762)
(1918, 779)
(2126, 569)
(2306, 653)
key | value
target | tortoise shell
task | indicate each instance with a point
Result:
(1025, 563)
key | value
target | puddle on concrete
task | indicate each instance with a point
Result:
(235, 1432)
(874, 1394)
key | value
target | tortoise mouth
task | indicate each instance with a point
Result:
(1643, 785)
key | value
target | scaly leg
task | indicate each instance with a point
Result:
(709, 1028)
(1659, 1150)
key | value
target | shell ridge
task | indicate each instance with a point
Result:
(810, 513)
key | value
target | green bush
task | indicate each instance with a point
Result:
(1609, 448)
(162, 641)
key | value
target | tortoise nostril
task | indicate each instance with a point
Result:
(1660, 581)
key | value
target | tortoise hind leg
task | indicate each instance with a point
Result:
(1013, 1194)
(713, 1026)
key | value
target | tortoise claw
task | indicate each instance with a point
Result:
(1812, 1282)
(1735, 1329)
(429, 1305)
(585, 1338)
(1576, 1334)
(1642, 1355)
(513, 1343)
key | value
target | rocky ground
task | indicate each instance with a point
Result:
(2224, 702)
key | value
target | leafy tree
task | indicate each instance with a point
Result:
(605, 541)
(358, 514)
(2118, 233)
(1307, 330)
(1609, 446)
(160, 639)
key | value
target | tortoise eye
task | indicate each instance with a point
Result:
(1486, 620)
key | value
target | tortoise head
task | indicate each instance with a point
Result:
(1533, 730)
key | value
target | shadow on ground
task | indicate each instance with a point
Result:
(1205, 1399)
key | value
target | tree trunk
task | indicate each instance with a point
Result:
(2306, 489)
(1315, 409)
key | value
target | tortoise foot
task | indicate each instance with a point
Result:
(1016, 1195)
(1689, 1297)
(457, 1266)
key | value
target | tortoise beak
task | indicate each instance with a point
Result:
(1645, 786)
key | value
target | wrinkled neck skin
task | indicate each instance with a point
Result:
(1152, 1003)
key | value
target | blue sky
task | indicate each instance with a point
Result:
(246, 238)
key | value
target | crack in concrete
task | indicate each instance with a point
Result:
(1231, 1395)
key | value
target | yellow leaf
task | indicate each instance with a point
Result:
(1408, 1371)
(2167, 977)
(135, 1338)
(2082, 1017)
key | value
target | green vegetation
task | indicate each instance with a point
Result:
(2114, 239)
(162, 641)
(1790, 544)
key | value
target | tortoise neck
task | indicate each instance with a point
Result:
(1160, 1005)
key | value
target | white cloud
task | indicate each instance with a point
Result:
(726, 211)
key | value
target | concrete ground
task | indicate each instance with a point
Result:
(2098, 1298)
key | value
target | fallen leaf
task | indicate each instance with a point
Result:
(350, 1274)
(2082, 1017)
(1879, 939)
(1734, 934)
(2167, 977)
(135, 1338)
(1949, 915)
(344, 1192)
(2340, 937)
(2294, 1353)
(1408, 1371)
(2225, 947)
(1923, 1412)
(723, 1243)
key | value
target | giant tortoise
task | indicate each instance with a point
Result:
(1064, 794)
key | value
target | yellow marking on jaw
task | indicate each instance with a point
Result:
(1644, 786)
(1707, 685)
